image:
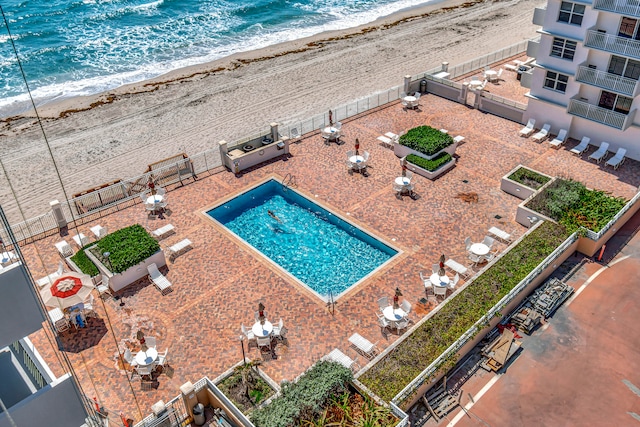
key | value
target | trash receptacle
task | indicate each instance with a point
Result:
(423, 86)
(198, 414)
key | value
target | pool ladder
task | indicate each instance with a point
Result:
(289, 181)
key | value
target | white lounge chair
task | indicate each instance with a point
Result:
(64, 249)
(500, 234)
(528, 129)
(457, 267)
(98, 231)
(81, 240)
(362, 345)
(601, 153)
(158, 279)
(617, 159)
(178, 248)
(386, 140)
(337, 356)
(543, 134)
(163, 231)
(560, 139)
(580, 148)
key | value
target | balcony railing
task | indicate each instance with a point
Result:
(604, 80)
(614, 44)
(597, 114)
(623, 7)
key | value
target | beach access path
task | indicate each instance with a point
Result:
(190, 110)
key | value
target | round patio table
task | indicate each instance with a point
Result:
(393, 314)
(262, 330)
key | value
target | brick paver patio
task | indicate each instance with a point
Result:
(218, 284)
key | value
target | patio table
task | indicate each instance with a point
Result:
(442, 281)
(393, 314)
(262, 330)
(148, 357)
(479, 249)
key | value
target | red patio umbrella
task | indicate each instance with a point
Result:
(67, 290)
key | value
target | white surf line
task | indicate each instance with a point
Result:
(477, 397)
(592, 278)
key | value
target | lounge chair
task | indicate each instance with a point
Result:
(617, 159)
(337, 356)
(64, 249)
(560, 139)
(81, 240)
(158, 279)
(98, 231)
(178, 248)
(580, 148)
(528, 129)
(543, 134)
(386, 140)
(601, 153)
(163, 231)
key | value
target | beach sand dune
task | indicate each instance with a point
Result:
(190, 110)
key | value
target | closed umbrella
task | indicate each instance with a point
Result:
(330, 118)
(357, 146)
(395, 298)
(70, 289)
(261, 316)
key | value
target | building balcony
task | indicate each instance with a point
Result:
(608, 81)
(613, 44)
(622, 7)
(580, 108)
(538, 15)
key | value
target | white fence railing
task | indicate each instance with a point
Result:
(597, 114)
(612, 43)
(606, 80)
(623, 7)
(484, 320)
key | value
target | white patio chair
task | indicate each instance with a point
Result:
(386, 140)
(362, 345)
(440, 291)
(617, 159)
(339, 357)
(457, 267)
(103, 287)
(543, 134)
(426, 281)
(560, 139)
(279, 330)
(435, 268)
(179, 248)
(163, 231)
(383, 303)
(160, 191)
(475, 259)
(382, 322)
(416, 103)
(144, 370)
(128, 357)
(151, 342)
(467, 243)
(528, 129)
(601, 153)
(363, 164)
(402, 323)
(162, 358)
(89, 309)
(499, 75)
(247, 332)
(263, 342)
(406, 306)
(580, 148)
(489, 241)
(158, 279)
(64, 249)
(294, 133)
(500, 234)
(454, 282)
(391, 135)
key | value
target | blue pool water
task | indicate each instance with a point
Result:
(320, 249)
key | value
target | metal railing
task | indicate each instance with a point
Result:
(175, 414)
(484, 320)
(602, 79)
(24, 358)
(615, 44)
(623, 7)
(596, 236)
(597, 114)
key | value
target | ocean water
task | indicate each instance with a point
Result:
(81, 47)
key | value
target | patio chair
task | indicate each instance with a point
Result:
(51, 277)
(435, 268)
(386, 141)
(543, 134)
(294, 133)
(160, 191)
(162, 358)
(426, 281)
(499, 75)
(475, 259)
(179, 248)
(580, 148)
(158, 279)
(528, 129)
(457, 267)
(560, 139)
(103, 287)
(467, 243)
(383, 303)
(454, 282)
(440, 291)
(402, 324)
(362, 345)
(382, 322)
(489, 241)
(263, 342)
(89, 309)
(144, 371)
(247, 332)
(60, 322)
(339, 357)
(500, 234)
(98, 231)
(64, 249)
(163, 231)
(406, 306)
(350, 164)
(416, 103)
(151, 342)
(601, 153)
(617, 159)
(391, 135)
(128, 357)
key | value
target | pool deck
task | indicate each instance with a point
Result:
(219, 283)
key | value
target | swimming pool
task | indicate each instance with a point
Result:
(321, 250)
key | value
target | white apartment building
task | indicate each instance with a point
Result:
(587, 69)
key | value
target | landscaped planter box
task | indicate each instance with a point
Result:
(275, 388)
(119, 281)
(430, 174)
(402, 151)
(520, 189)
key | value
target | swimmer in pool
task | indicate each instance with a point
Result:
(272, 215)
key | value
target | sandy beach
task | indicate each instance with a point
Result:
(117, 134)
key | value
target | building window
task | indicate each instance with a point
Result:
(571, 13)
(624, 67)
(563, 48)
(556, 81)
(629, 28)
(611, 101)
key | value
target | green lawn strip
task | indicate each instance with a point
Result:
(416, 352)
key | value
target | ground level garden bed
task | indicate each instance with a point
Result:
(245, 387)
(417, 351)
(323, 396)
(574, 205)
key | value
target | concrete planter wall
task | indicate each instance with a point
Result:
(403, 151)
(516, 189)
(274, 385)
(119, 281)
(428, 174)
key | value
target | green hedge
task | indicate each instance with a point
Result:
(417, 351)
(531, 179)
(572, 204)
(84, 263)
(430, 165)
(127, 247)
(425, 140)
(306, 398)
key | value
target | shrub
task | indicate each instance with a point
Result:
(417, 351)
(426, 140)
(84, 263)
(529, 178)
(127, 247)
(573, 205)
(430, 165)
(306, 398)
